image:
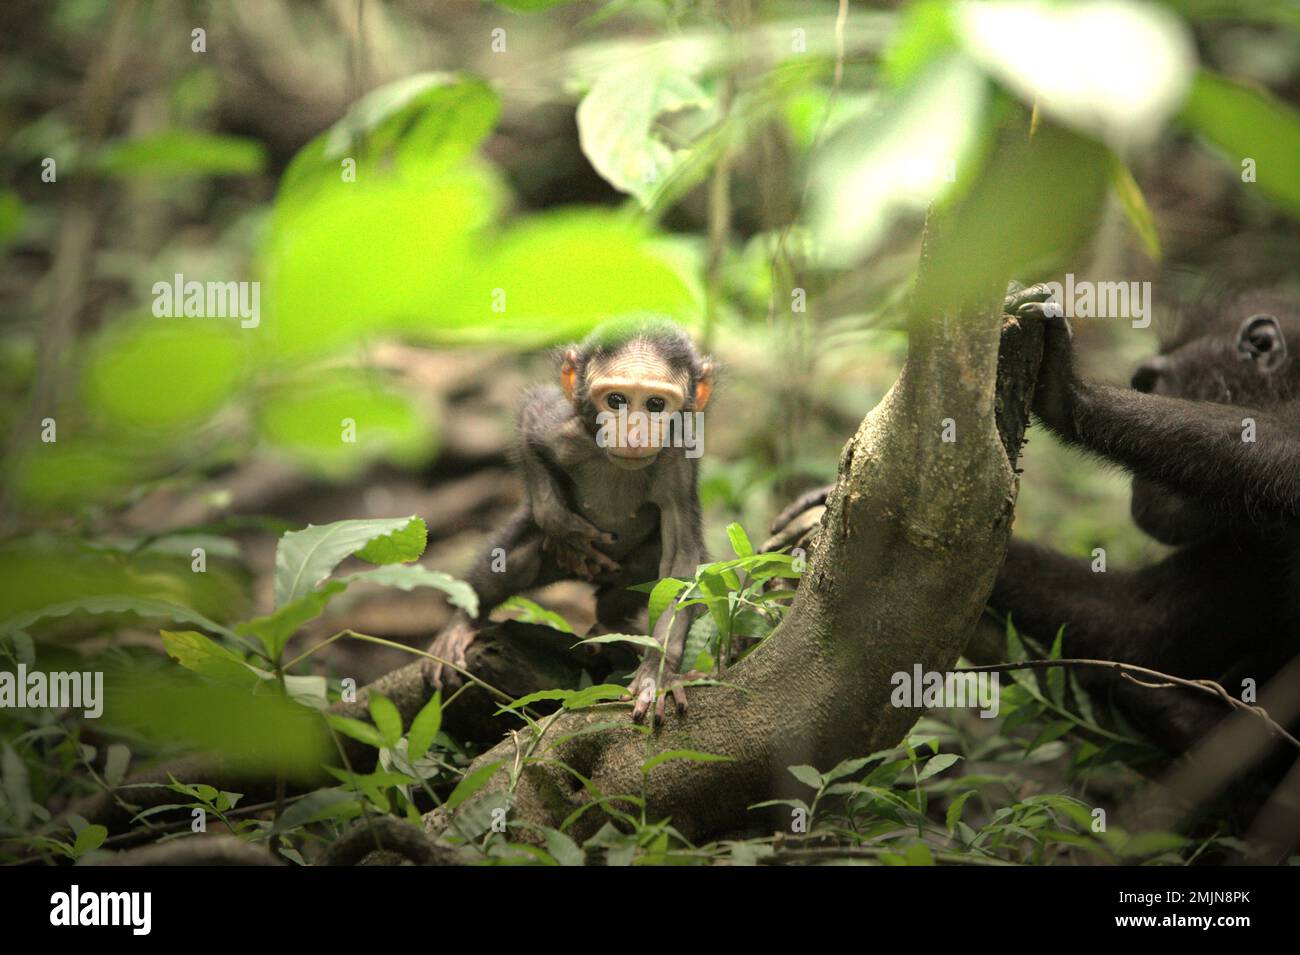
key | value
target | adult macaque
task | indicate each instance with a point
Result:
(1210, 431)
(610, 462)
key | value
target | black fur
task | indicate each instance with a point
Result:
(1226, 604)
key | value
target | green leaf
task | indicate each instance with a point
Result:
(357, 729)
(409, 576)
(90, 837)
(953, 815)
(399, 546)
(636, 640)
(424, 728)
(936, 764)
(662, 596)
(275, 630)
(691, 755)
(116, 761)
(472, 783)
(318, 806)
(141, 606)
(806, 775)
(183, 152)
(387, 719)
(1249, 123)
(16, 785)
(562, 848)
(304, 558)
(618, 119)
(1135, 208)
(739, 540)
(201, 654)
(528, 611)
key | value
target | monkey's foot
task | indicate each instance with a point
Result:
(450, 645)
(579, 555)
(644, 690)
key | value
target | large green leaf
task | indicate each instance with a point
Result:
(1250, 124)
(304, 558)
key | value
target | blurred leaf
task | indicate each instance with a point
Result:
(257, 733)
(141, 606)
(1250, 124)
(557, 275)
(400, 546)
(309, 422)
(182, 152)
(897, 159)
(926, 33)
(11, 215)
(16, 784)
(562, 848)
(937, 764)
(1135, 208)
(304, 558)
(1115, 70)
(316, 807)
(619, 119)
(419, 125)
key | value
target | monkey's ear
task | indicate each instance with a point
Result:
(1262, 342)
(569, 373)
(704, 385)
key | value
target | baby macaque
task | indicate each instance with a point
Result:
(610, 461)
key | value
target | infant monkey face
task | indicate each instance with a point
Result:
(635, 419)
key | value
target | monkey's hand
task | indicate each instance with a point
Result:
(1058, 387)
(644, 690)
(573, 540)
(450, 645)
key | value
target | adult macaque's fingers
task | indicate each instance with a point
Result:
(679, 697)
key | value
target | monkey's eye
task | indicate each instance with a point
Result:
(654, 405)
(616, 400)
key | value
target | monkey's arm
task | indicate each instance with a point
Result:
(1194, 448)
(682, 543)
(547, 432)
